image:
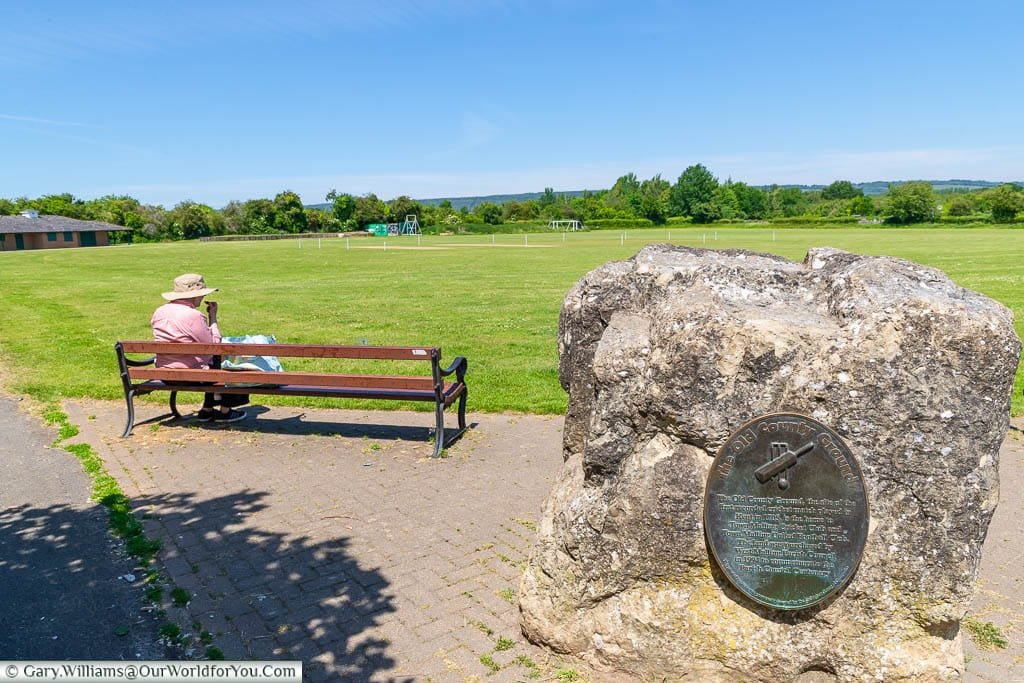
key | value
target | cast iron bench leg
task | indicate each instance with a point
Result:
(129, 399)
(174, 405)
(462, 409)
(439, 433)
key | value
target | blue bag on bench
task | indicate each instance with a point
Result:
(243, 362)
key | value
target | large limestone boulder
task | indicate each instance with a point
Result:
(664, 356)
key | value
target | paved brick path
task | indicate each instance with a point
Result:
(367, 560)
(357, 554)
(999, 597)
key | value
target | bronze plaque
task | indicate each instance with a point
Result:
(786, 511)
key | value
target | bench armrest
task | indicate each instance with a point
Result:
(458, 366)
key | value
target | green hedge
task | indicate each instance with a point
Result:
(827, 220)
(488, 229)
(619, 223)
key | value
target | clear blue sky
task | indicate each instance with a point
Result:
(238, 99)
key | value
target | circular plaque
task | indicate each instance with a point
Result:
(786, 511)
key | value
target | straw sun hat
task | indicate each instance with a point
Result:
(188, 286)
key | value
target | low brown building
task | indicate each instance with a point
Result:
(32, 231)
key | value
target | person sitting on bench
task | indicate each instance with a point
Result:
(180, 320)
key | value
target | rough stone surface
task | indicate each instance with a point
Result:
(664, 355)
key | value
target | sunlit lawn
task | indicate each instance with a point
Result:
(494, 300)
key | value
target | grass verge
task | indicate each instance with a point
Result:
(124, 524)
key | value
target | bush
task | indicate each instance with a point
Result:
(973, 219)
(619, 223)
(485, 229)
(816, 220)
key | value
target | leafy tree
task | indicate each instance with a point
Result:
(318, 220)
(488, 212)
(694, 195)
(593, 206)
(258, 216)
(1005, 201)
(189, 220)
(862, 206)
(111, 209)
(753, 201)
(547, 199)
(958, 205)
(368, 210)
(841, 189)
(910, 203)
(654, 199)
(289, 214)
(234, 216)
(727, 201)
(344, 205)
(625, 195)
(7, 207)
(403, 206)
(56, 205)
(520, 211)
(788, 201)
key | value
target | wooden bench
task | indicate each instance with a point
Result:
(142, 377)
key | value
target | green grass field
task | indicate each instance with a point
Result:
(494, 299)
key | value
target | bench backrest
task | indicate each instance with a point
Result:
(426, 353)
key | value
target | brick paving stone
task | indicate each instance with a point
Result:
(233, 606)
(251, 625)
(387, 572)
(232, 645)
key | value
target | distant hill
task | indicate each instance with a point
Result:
(472, 202)
(879, 187)
(873, 189)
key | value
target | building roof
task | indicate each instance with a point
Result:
(21, 224)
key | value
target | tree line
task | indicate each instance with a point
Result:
(696, 196)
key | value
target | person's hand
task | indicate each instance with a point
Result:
(211, 311)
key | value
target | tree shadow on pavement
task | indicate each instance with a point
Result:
(65, 595)
(271, 595)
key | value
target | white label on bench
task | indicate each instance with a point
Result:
(419, 352)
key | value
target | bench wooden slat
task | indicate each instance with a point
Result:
(285, 350)
(450, 393)
(314, 379)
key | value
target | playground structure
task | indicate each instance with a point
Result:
(565, 225)
(410, 226)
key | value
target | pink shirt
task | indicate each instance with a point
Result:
(180, 321)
